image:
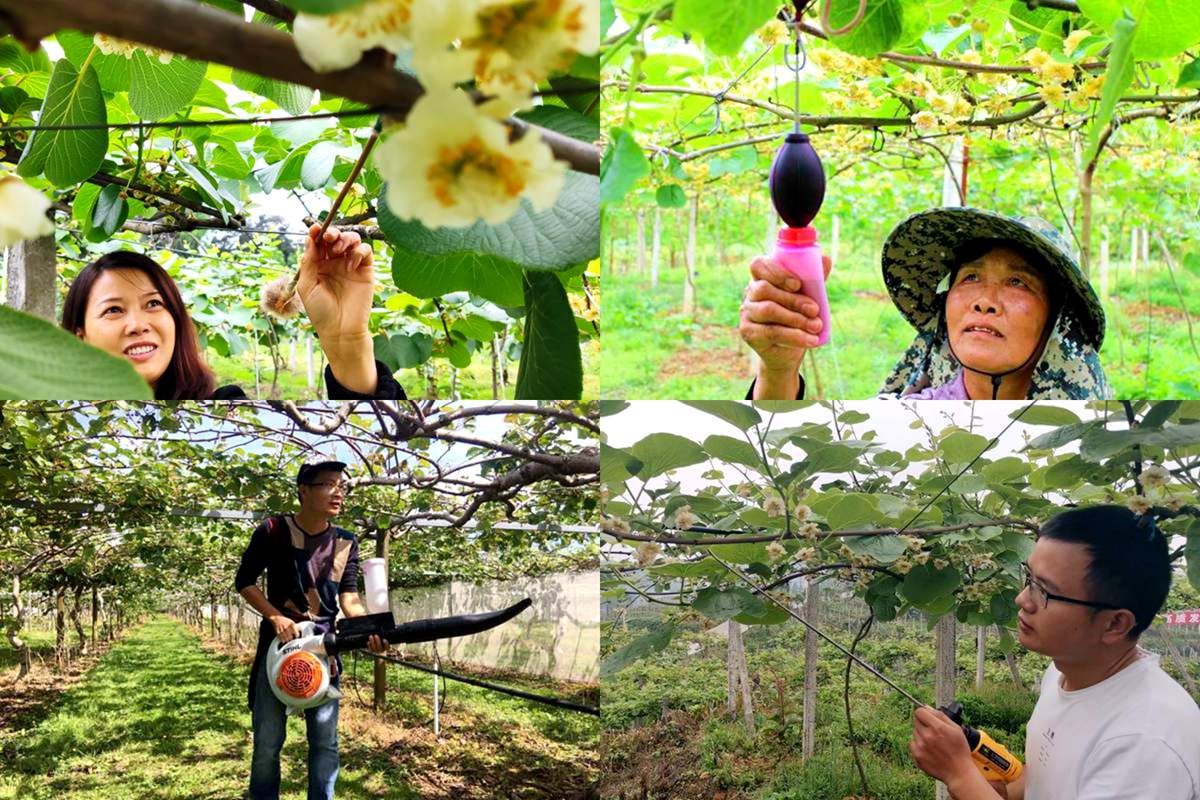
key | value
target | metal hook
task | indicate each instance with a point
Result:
(877, 137)
(720, 98)
(1141, 73)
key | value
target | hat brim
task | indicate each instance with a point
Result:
(919, 253)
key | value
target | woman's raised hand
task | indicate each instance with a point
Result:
(779, 323)
(336, 285)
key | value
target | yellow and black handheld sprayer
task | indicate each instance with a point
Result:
(993, 759)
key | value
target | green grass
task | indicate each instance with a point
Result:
(652, 351)
(474, 382)
(160, 717)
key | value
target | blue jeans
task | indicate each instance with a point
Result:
(270, 729)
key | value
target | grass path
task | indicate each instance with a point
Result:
(160, 717)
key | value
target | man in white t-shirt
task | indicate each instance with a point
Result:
(1109, 723)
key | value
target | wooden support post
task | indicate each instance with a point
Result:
(1133, 253)
(31, 274)
(689, 285)
(1104, 269)
(835, 238)
(641, 241)
(812, 609)
(980, 655)
(944, 634)
(308, 360)
(656, 248)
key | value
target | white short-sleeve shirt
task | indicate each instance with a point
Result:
(1133, 736)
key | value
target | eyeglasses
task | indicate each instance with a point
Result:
(335, 486)
(1042, 596)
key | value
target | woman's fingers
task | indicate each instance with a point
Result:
(762, 290)
(762, 336)
(827, 263)
(345, 242)
(766, 269)
(767, 312)
(359, 256)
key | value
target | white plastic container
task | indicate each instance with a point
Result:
(375, 575)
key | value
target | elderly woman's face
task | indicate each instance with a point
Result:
(996, 311)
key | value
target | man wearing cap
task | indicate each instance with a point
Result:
(1001, 309)
(312, 573)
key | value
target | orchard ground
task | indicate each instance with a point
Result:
(666, 726)
(162, 714)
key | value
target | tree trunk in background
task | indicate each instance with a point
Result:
(835, 239)
(24, 657)
(1179, 661)
(308, 360)
(229, 617)
(676, 233)
(95, 601)
(212, 620)
(716, 226)
(1011, 660)
(738, 677)
(60, 630)
(1085, 226)
(769, 239)
(1133, 252)
(1104, 267)
(641, 242)
(689, 286)
(812, 610)
(945, 634)
(76, 622)
(1146, 246)
(379, 698)
(980, 653)
(241, 619)
(32, 269)
(656, 248)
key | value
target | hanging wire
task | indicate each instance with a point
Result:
(799, 62)
(720, 96)
(195, 123)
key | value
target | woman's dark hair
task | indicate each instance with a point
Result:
(1130, 566)
(187, 377)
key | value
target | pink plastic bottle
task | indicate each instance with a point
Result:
(796, 249)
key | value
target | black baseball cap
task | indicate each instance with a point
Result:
(308, 470)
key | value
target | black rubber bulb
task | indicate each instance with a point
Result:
(797, 181)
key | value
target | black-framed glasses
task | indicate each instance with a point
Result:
(1042, 596)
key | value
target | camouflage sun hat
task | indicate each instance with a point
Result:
(920, 253)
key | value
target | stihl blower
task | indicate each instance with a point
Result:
(299, 670)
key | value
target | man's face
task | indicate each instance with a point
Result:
(324, 494)
(996, 311)
(1059, 630)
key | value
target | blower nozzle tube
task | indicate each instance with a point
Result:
(354, 632)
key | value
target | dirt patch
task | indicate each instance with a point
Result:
(34, 697)
(714, 352)
(1137, 311)
(658, 760)
(877, 296)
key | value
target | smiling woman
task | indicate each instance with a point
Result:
(127, 305)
